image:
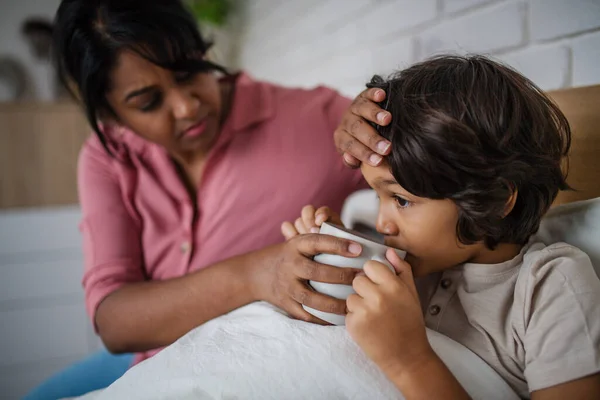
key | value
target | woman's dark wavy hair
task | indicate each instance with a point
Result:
(475, 131)
(90, 34)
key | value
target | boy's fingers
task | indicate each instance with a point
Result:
(322, 215)
(299, 225)
(308, 217)
(403, 270)
(377, 272)
(398, 263)
(288, 230)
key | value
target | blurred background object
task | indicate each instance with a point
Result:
(16, 43)
(339, 43)
(219, 21)
(213, 12)
(38, 32)
(13, 79)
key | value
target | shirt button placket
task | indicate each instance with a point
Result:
(441, 298)
(186, 245)
(434, 309)
(446, 283)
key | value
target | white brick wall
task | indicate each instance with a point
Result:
(494, 28)
(552, 19)
(342, 43)
(586, 59)
(547, 64)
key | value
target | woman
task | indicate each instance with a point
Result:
(188, 178)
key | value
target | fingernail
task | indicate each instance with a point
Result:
(314, 229)
(381, 116)
(349, 159)
(379, 93)
(375, 159)
(383, 146)
(354, 248)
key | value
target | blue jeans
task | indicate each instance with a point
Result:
(98, 371)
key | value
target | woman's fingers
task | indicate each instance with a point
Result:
(295, 310)
(311, 245)
(376, 95)
(308, 297)
(356, 138)
(313, 271)
(353, 146)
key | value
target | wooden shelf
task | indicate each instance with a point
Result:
(39, 145)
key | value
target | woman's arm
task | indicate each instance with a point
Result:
(146, 315)
(132, 313)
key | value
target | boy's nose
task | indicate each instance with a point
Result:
(386, 227)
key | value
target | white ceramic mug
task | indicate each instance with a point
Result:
(371, 250)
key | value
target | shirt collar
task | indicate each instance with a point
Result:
(253, 102)
(493, 271)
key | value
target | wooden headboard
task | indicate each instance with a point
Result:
(581, 106)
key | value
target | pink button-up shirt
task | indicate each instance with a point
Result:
(274, 155)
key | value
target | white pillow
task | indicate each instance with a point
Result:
(577, 224)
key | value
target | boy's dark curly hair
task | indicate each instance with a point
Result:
(475, 131)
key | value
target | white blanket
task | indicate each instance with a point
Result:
(257, 352)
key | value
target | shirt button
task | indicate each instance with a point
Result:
(434, 310)
(185, 247)
(446, 283)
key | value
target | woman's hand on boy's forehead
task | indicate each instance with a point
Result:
(355, 138)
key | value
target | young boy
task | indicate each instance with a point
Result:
(475, 164)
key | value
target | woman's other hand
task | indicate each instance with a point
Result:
(282, 273)
(310, 221)
(355, 138)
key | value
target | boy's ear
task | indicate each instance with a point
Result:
(511, 201)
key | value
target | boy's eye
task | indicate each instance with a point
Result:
(402, 203)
